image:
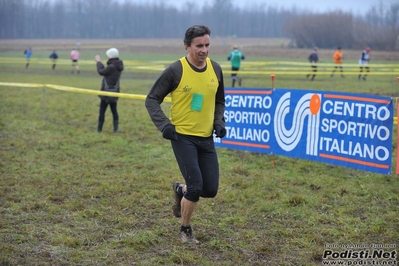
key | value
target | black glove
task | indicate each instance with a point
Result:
(220, 131)
(169, 132)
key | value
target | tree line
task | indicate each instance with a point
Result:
(98, 19)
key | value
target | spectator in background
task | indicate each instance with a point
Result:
(313, 59)
(338, 56)
(28, 55)
(195, 83)
(112, 74)
(235, 56)
(54, 57)
(75, 58)
(363, 62)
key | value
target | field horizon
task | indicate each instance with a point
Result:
(252, 47)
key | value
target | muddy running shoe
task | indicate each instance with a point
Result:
(239, 82)
(187, 236)
(176, 203)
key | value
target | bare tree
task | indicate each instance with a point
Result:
(124, 19)
(12, 13)
(379, 29)
(326, 30)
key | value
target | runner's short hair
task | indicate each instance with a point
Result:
(195, 31)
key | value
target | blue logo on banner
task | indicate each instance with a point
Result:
(350, 130)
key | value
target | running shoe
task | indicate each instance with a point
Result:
(176, 207)
(187, 236)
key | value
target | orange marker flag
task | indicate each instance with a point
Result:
(272, 77)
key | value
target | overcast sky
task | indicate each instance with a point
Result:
(353, 6)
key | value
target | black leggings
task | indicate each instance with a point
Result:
(103, 108)
(366, 68)
(234, 74)
(198, 163)
(336, 67)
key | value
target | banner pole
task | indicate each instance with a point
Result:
(273, 163)
(397, 148)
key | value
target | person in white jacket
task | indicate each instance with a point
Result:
(363, 62)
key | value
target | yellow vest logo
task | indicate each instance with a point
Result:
(187, 88)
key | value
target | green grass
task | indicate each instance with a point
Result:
(70, 196)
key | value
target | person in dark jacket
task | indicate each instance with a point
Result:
(54, 57)
(313, 59)
(111, 76)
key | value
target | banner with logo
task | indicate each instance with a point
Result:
(351, 130)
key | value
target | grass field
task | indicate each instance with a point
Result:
(71, 196)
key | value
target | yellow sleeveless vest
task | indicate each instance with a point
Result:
(193, 101)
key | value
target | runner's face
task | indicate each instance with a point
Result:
(199, 49)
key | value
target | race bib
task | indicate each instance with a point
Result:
(196, 102)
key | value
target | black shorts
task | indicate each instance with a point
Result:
(198, 163)
(234, 69)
